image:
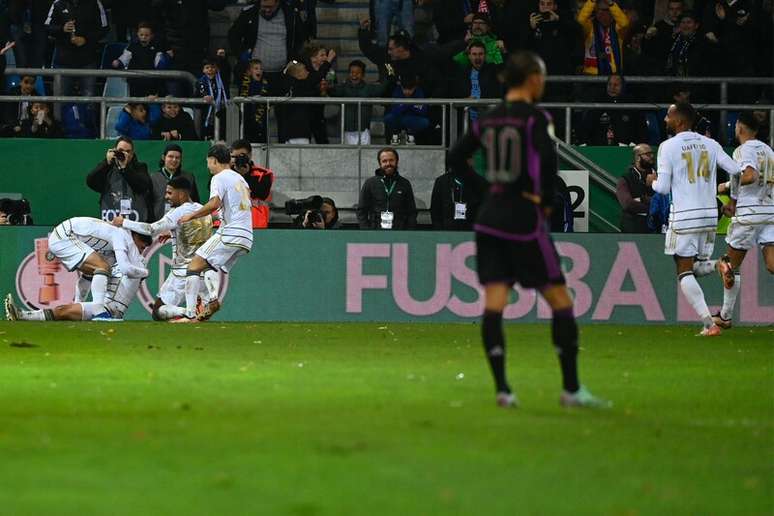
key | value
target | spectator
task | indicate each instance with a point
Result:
(660, 36)
(604, 28)
(41, 123)
(455, 200)
(614, 126)
(315, 57)
(174, 124)
(553, 36)
(634, 191)
(28, 19)
(212, 88)
(142, 54)
(307, 10)
(170, 167)
(299, 82)
(77, 28)
(135, 121)
(640, 62)
(256, 84)
(356, 87)
(17, 112)
(402, 11)
(259, 179)
(480, 80)
(4, 48)
(409, 118)
(452, 18)
(123, 183)
(387, 199)
(186, 34)
(270, 31)
(687, 55)
(480, 31)
(127, 15)
(562, 219)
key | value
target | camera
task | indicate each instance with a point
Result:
(242, 161)
(119, 155)
(545, 16)
(18, 212)
(301, 206)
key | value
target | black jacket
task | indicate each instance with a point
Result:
(557, 43)
(91, 22)
(374, 200)
(449, 20)
(185, 28)
(297, 118)
(634, 196)
(488, 80)
(244, 31)
(449, 189)
(112, 184)
(182, 123)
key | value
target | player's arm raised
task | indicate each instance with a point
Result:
(167, 223)
(663, 182)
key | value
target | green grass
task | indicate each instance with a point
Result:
(367, 419)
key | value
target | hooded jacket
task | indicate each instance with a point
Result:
(114, 184)
(381, 193)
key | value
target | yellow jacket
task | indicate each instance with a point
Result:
(586, 20)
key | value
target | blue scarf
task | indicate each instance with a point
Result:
(219, 95)
(603, 61)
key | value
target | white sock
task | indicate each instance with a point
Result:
(32, 315)
(212, 282)
(167, 312)
(192, 286)
(704, 267)
(99, 287)
(729, 298)
(695, 296)
(83, 288)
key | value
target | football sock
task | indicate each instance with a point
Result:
(729, 298)
(99, 286)
(212, 283)
(192, 286)
(36, 315)
(695, 296)
(83, 288)
(564, 331)
(167, 312)
(704, 267)
(494, 346)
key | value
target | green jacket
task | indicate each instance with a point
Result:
(493, 54)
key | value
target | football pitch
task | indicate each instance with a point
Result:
(379, 419)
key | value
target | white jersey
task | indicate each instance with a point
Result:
(186, 239)
(687, 164)
(107, 240)
(755, 202)
(236, 228)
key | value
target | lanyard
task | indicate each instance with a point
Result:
(458, 183)
(388, 191)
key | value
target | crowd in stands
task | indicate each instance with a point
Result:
(270, 51)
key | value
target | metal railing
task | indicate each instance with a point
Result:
(58, 73)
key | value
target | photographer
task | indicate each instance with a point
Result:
(123, 184)
(318, 213)
(15, 212)
(259, 179)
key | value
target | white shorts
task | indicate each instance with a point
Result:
(121, 290)
(746, 236)
(70, 251)
(172, 291)
(690, 245)
(219, 255)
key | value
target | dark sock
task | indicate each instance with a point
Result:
(565, 336)
(494, 346)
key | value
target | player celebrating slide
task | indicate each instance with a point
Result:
(752, 205)
(230, 194)
(687, 164)
(512, 240)
(186, 239)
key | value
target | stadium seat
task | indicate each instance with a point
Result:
(654, 128)
(110, 121)
(116, 87)
(190, 111)
(110, 53)
(730, 128)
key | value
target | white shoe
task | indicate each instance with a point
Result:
(583, 398)
(507, 400)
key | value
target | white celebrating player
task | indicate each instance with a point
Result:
(687, 165)
(752, 207)
(186, 239)
(90, 245)
(230, 194)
